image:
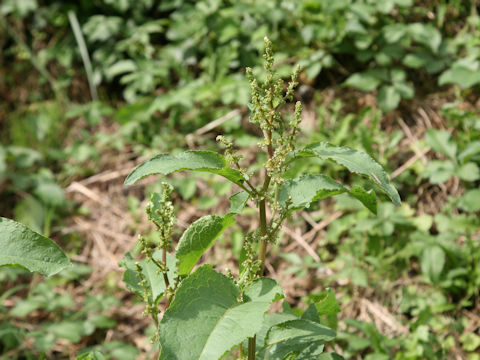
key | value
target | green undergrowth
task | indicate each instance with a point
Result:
(163, 71)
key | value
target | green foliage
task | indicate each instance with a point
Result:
(355, 161)
(24, 247)
(209, 317)
(164, 69)
(214, 313)
(457, 163)
(198, 238)
(190, 160)
(153, 281)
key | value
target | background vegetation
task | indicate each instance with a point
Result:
(91, 88)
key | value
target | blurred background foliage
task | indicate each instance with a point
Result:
(91, 87)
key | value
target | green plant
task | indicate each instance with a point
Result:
(214, 313)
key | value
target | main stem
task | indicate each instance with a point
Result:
(262, 207)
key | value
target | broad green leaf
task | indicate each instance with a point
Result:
(423, 59)
(311, 314)
(470, 150)
(300, 338)
(404, 89)
(262, 290)
(238, 202)
(388, 98)
(308, 188)
(394, 32)
(198, 238)
(363, 81)
(206, 161)
(154, 280)
(269, 321)
(206, 320)
(439, 140)
(432, 262)
(21, 246)
(367, 198)
(426, 34)
(468, 172)
(470, 201)
(328, 305)
(50, 193)
(439, 171)
(470, 341)
(355, 161)
(461, 75)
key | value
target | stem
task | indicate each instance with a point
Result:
(251, 348)
(164, 260)
(165, 278)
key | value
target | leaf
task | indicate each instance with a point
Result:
(328, 305)
(394, 32)
(470, 341)
(470, 201)
(206, 161)
(330, 356)
(432, 262)
(439, 171)
(426, 34)
(300, 338)
(439, 140)
(423, 59)
(367, 198)
(50, 194)
(154, 280)
(470, 150)
(363, 81)
(21, 246)
(388, 98)
(468, 172)
(120, 67)
(355, 161)
(311, 314)
(308, 188)
(238, 202)
(206, 315)
(198, 238)
(461, 75)
(269, 321)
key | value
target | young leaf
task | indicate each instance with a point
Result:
(206, 161)
(301, 338)
(238, 202)
(308, 188)
(432, 262)
(363, 81)
(440, 141)
(23, 247)
(205, 320)
(198, 238)
(154, 279)
(355, 161)
(388, 98)
(327, 305)
(367, 198)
